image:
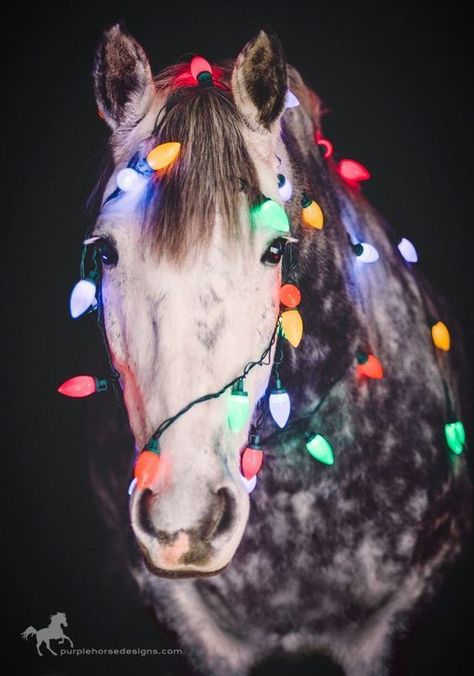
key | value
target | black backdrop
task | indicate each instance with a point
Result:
(395, 81)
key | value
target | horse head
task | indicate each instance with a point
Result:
(190, 279)
(60, 619)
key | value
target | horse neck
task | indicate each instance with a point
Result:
(346, 305)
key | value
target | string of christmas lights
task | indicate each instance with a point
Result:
(267, 213)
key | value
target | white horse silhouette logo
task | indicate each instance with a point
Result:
(53, 631)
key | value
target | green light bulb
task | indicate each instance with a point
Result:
(320, 448)
(455, 436)
(269, 214)
(238, 410)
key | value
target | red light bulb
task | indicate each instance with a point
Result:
(82, 386)
(199, 65)
(369, 366)
(352, 172)
(252, 457)
(324, 143)
(290, 295)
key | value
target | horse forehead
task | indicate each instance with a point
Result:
(224, 268)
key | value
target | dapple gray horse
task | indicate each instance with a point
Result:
(321, 557)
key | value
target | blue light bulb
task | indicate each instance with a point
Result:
(127, 179)
(366, 253)
(83, 296)
(408, 250)
(284, 188)
(279, 404)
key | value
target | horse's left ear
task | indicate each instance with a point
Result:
(260, 81)
(123, 83)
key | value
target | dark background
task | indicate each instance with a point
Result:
(395, 81)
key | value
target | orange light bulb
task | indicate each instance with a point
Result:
(290, 295)
(163, 155)
(371, 367)
(292, 326)
(440, 336)
(146, 469)
(311, 213)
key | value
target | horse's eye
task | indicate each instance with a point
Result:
(107, 252)
(273, 254)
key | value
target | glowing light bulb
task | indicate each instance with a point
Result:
(407, 250)
(279, 404)
(127, 179)
(320, 448)
(368, 365)
(352, 172)
(148, 465)
(366, 253)
(440, 336)
(249, 484)
(163, 155)
(82, 386)
(325, 144)
(290, 100)
(292, 326)
(83, 295)
(133, 485)
(252, 457)
(290, 295)
(311, 213)
(269, 214)
(201, 69)
(238, 408)
(455, 436)
(284, 188)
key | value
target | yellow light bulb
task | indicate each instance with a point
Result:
(163, 155)
(292, 326)
(312, 214)
(440, 335)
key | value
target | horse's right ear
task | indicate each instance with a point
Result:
(123, 82)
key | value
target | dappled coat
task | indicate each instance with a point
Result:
(333, 556)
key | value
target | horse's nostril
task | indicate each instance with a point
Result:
(217, 520)
(223, 514)
(143, 513)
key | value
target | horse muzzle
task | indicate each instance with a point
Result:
(195, 540)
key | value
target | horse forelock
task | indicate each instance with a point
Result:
(214, 174)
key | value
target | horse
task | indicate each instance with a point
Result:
(363, 499)
(54, 631)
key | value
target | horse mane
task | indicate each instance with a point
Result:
(214, 174)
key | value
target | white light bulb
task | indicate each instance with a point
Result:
(285, 189)
(127, 179)
(369, 253)
(407, 250)
(249, 484)
(280, 407)
(82, 297)
(132, 486)
(290, 100)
